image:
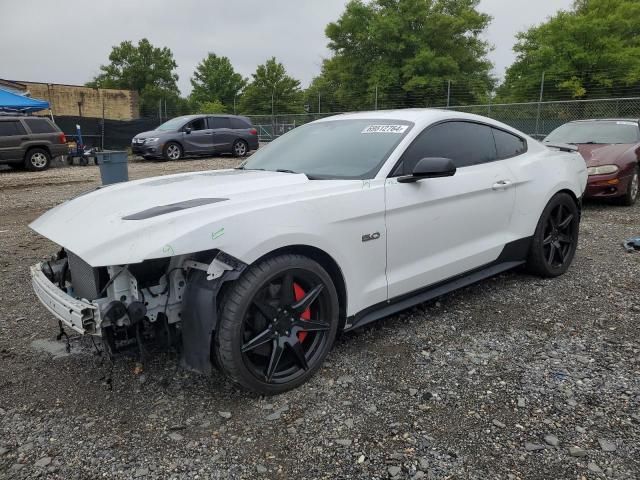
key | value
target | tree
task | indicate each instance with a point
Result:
(215, 106)
(144, 68)
(590, 51)
(272, 90)
(395, 53)
(215, 80)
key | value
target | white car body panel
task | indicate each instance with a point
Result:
(463, 222)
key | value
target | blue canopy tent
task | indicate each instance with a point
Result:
(11, 102)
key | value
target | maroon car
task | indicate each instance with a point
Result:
(611, 149)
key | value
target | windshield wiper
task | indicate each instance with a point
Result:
(284, 170)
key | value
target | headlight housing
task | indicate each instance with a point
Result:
(152, 139)
(602, 170)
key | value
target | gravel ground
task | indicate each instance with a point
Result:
(515, 377)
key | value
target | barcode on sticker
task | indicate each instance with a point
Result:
(385, 129)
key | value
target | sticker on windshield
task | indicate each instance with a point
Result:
(385, 129)
(633, 124)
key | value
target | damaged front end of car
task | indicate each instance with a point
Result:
(171, 301)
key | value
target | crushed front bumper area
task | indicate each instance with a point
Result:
(78, 315)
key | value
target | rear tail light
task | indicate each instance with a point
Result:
(63, 139)
(253, 131)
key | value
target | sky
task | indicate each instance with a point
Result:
(66, 41)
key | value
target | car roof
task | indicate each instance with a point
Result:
(634, 120)
(421, 117)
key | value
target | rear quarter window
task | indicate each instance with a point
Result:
(9, 128)
(40, 125)
(239, 123)
(508, 145)
(219, 122)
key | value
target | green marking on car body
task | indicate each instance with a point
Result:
(217, 234)
(168, 249)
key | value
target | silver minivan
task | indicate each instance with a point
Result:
(197, 135)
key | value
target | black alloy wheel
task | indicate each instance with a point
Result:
(278, 324)
(556, 238)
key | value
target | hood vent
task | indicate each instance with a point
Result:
(172, 207)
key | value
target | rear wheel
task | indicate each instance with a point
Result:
(37, 159)
(240, 148)
(556, 237)
(172, 151)
(277, 324)
(633, 189)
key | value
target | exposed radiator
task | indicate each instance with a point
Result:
(84, 278)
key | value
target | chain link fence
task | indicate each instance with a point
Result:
(537, 119)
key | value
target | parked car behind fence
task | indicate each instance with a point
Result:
(197, 135)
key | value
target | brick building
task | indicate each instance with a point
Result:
(80, 101)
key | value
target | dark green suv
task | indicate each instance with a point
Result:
(30, 142)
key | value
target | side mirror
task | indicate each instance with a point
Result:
(432, 167)
(187, 130)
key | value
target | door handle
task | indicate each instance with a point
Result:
(501, 185)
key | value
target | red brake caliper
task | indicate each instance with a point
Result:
(299, 293)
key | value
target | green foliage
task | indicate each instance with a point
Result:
(588, 52)
(215, 106)
(270, 83)
(144, 68)
(409, 50)
(215, 81)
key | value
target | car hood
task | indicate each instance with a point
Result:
(133, 221)
(596, 155)
(150, 133)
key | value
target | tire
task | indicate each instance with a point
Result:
(266, 341)
(172, 151)
(633, 189)
(240, 148)
(37, 160)
(556, 237)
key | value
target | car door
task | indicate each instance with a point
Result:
(223, 135)
(200, 138)
(12, 135)
(438, 228)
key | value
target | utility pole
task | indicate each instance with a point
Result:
(273, 116)
(540, 105)
(160, 110)
(318, 102)
(234, 102)
(376, 105)
(449, 94)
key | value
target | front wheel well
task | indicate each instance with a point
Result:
(327, 262)
(578, 201)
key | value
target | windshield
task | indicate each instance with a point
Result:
(173, 124)
(605, 132)
(335, 149)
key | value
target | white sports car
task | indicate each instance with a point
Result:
(336, 224)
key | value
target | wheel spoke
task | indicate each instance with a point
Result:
(310, 326)
(308, 299)
(550, 256)
(266, 310)
(298, 352)
(547, 240)
(560, 253)
(566, 222)
(258, 340)
(559, 215)
(276, 355)
(563, 238)
(287, 294)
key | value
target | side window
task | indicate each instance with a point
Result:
(239, 123)
(219, 122)
(465, 143)
(199, 124)
(11, 128)
(39, 125)
(508, 145)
